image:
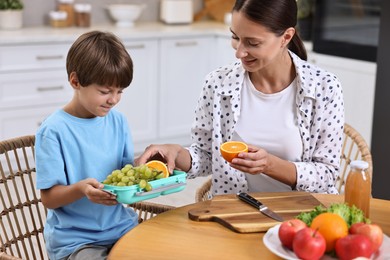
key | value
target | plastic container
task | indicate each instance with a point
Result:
(58, 19)
(131, 194)
(67, 6)
(82, 15)
(358, 187)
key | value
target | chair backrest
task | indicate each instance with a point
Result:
(354, 148)
(22, 214)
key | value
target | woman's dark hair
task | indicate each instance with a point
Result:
(100, 58)
(277, 16)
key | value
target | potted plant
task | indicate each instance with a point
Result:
(305, 18)
(11, 14)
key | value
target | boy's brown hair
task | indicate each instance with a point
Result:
(100, 58)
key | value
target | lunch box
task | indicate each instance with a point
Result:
(131, 194)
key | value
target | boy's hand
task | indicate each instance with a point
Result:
(93, 191)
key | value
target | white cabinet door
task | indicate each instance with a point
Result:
(139, 101)
(358, 82)
(183, 66)
(24, 120)
(225, 54)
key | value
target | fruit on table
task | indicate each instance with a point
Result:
(288, 229)
(332, 226)
(371, 231)
(230, 150)
(353, 246)
(133, 175)
(309, 244)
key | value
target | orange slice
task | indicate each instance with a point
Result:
(230, 150)
(159, 166)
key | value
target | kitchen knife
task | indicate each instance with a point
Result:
(257, 204)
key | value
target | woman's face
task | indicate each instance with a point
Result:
(255, 45)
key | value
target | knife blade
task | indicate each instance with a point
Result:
(260, 206)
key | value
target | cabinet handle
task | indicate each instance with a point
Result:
(137, 46)
(53, 57)
(53, 88)
(184, 44)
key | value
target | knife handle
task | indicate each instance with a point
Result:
(250, 200)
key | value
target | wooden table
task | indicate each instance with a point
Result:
(172, 235)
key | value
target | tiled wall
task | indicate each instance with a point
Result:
(36, 11)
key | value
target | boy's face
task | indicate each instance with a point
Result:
(96, 100)
(93, 100)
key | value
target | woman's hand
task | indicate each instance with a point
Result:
(175, 156)
(259, 161)
(255, 161)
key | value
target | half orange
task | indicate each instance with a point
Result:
(230, 150)
(159, 166)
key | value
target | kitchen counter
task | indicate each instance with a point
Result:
(139, 31)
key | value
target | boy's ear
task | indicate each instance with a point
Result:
(74, 81)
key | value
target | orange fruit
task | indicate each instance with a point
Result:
(331, 226)
(231, 149)
(159, 166)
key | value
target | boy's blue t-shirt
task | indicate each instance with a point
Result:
(70, 149)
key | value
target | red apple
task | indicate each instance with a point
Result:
(309, 244)
(373, 232)
(354, 227)
(353, 246)
(288, 229)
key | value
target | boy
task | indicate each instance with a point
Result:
(79, 145)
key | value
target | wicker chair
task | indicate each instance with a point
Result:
(354, 148)
(22, 215)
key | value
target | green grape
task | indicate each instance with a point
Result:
(121, 184)
(130, 173)
(125, 169)
(115, 172)
(107, 181)
(109, 177)
(120, 175)
(142, 184)
(160, 176)
(125, 179)
(148, 187)
(148, 173)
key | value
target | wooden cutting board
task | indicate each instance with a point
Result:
(215, 9)
(239, 216)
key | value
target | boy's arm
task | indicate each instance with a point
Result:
(61, 195)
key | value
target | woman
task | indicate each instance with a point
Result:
(290, 112)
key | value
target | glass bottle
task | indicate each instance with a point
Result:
(67, 6)
(358, 186)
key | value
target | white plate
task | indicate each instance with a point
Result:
(272, 242)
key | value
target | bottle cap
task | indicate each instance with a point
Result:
(359, 164)
(82, 8)
(58, 15)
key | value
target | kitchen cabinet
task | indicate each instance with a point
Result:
(358, 82)
(225, 54)
(33, 83)
(139, 101)
(184, 63)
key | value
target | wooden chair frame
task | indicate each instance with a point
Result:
(22, 214)
(354, 148)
